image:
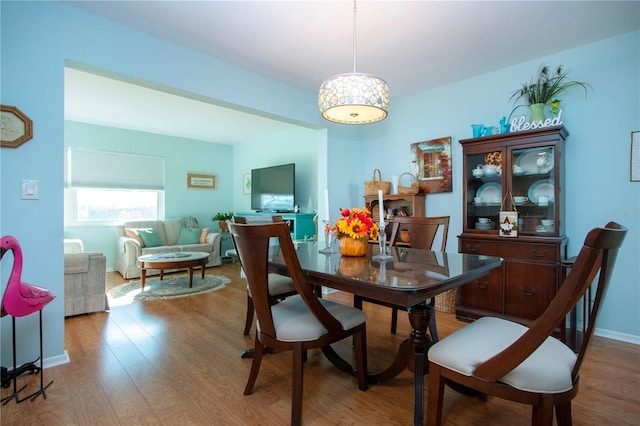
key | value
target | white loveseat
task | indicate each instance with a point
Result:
(168, 232)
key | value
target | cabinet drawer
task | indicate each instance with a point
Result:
(538, 252)
(529, 288)
(485, 292)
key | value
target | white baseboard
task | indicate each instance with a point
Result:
(57, 360)
(623, 337)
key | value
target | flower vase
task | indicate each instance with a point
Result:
(352, 247)
(537, 113)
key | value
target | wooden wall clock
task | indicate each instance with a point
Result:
(15, 127)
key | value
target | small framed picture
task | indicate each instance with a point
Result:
(635, 156)
(201, 181)
(246, 183)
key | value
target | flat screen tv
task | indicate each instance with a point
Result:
(273, 188)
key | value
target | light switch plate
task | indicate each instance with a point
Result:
(29, 189)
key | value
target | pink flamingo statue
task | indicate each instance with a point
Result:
(22, 299)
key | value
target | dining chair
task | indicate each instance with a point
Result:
(280, 287)
(422, 233)
(526, 364)
(300, 322)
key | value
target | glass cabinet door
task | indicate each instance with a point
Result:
(484, 190)
(533, 189)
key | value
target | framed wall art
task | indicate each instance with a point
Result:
(201, 181)
(15, 127)
(635, 156)
(246, 183)
(431, 163)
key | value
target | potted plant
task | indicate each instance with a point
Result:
(222, 218)
(543, 90)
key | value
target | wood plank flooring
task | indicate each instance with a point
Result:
(177, 362)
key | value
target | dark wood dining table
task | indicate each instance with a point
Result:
(409, 278)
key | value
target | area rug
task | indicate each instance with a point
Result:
(170, 287)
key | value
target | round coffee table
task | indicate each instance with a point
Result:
(178, 260)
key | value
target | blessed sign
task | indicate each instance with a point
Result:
(518, 124)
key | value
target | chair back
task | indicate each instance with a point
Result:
(252, 244)
(257, 219)
(422, 231)
(251, 219)
(596, 258)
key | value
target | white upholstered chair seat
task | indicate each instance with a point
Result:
(294, 321)
(547, 370)
(278, 284)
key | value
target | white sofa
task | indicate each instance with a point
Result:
(169, 232)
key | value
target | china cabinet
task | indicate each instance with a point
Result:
(522, 171)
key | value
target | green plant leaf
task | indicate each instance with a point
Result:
(545, 86)
(223, 216)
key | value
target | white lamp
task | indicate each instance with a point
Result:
(354, 98)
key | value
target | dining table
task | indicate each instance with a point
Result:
(406, 277)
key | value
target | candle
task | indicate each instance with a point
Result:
(380, 206)
(326, 205)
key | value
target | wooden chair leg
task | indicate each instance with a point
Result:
(394, 320)
(563, 414)
(258, 350)
(298, 378)
(249, 320)
(357, 302)
(360, 339)
(435, 396)
(542, 414)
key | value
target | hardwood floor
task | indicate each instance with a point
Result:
(177, 362)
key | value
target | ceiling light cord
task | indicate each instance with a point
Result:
(354, 36)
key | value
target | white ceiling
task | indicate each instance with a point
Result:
(413, 45)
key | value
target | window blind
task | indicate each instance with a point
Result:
(106, 169)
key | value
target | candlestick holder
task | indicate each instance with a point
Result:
(382, 276)
(382, 241)
(327, 238)
(327, 264)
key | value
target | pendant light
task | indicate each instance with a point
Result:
(354, 98)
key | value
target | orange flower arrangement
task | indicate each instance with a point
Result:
(356, 224)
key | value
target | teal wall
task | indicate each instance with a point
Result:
(38, 37)
(181, 156)
(299, 145)
(597, 187)
(53, 33)
(228, 163)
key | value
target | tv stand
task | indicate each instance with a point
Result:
(302, 224)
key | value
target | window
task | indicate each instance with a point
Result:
(109, 188)
(115, 205)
